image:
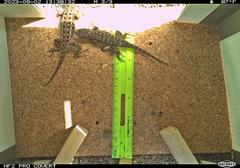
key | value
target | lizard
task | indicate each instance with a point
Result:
(62, 44)
(109, 41)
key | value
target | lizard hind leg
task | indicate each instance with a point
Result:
(53, 50)
(57, 47)
(78, 51)
(57, 43)
(106, 48)
(113, 51)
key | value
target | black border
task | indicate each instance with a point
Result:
(101, 165)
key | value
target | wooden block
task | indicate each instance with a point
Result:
(42, 162)
(71, 146)
(177, 146)
(206, 162)
(125, 161)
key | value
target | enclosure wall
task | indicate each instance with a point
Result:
(231, 58)
(189, 94)
(7, 138)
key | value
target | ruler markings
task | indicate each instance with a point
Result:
(123, 70)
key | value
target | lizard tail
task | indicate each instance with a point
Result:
(146, 54)
(62, 56)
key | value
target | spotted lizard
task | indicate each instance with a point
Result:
(109, 41)
(62, 44)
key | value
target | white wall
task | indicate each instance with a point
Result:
(7, 135)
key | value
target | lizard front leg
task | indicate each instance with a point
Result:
(60, 13)
(122, 36)
(76, 16)
(95, 28)
(119, 34)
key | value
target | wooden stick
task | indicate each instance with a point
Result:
(177, 146)
(71, 146)
(125, 161)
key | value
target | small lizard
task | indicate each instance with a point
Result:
(109, 41)
(62, 44)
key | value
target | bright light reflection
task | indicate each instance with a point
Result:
(67, 114)
(124, 17)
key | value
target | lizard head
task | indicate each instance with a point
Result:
(83, 33)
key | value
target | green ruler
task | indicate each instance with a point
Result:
(122, 125)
